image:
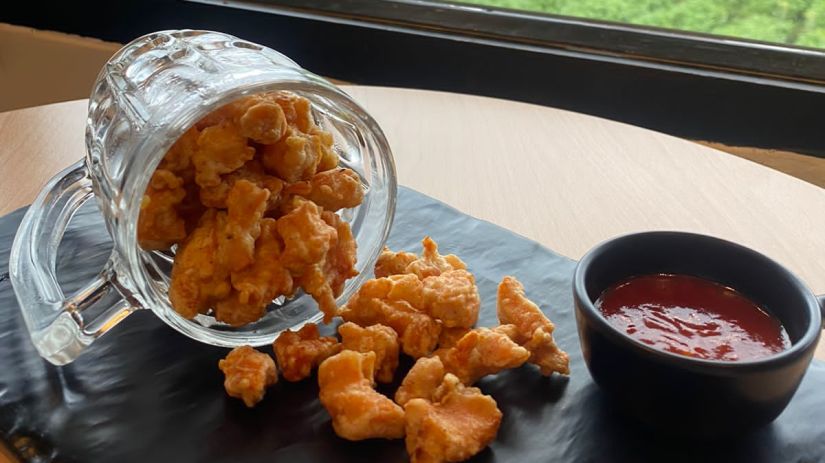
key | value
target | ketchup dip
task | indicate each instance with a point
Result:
(693, 317)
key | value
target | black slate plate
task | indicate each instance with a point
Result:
(146, 393)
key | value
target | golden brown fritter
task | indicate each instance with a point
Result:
(178, 158)
(221, 150)
(236, 243)
(393, 263)
(257, 285)
(252, 171)
(421, 381)
(248, 374)
(325, 280)
(198, 278)
(432, 263)
(293, 158)
(264, 122)
(450, 336)
(375, 338)
(298, 352)
(390, 301)
(452, 297)
(358, 411)
(307, 238)
(482, 352)
(160, 224)
(252, 158)
(336, 189)
(457, 424)
(533, 330)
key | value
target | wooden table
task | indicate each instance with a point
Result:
(563, 179)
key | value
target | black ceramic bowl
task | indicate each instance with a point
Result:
(683, 395)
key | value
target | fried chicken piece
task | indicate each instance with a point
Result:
(533, 330)
(482, 352)
(452, 297)
(393, 263)
(297, 109)
(324, 144)
(325, 281)
(391, 301)
(160, 224)
(431, 263)
(298, 352)
(375, 338)
(458, 423)
(236, 243)
(248, 374)
(221, 150)
(253, 171)
(358, 411)
(450, 336)
(307, 238)
(258, 284)
(199, 279)
(421, 381)
(336, 189)
(293, 158)
(179, 157)
(263, 122)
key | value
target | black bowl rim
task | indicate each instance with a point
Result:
(802, 347)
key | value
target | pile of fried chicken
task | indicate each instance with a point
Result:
(425, 307)
(248, 195)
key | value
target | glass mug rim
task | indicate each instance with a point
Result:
(127, 273)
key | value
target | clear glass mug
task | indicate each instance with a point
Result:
(145, 97)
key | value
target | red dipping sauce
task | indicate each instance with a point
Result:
(693, 317)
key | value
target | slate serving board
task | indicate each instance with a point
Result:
(145, 393)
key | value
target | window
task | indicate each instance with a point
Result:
(791, 22)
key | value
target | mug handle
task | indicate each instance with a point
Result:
(821, 299)
(61, 327)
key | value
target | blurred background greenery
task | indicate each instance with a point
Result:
(794, 22)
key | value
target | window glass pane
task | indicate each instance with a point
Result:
(793, 22)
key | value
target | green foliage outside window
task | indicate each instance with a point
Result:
(795, 22)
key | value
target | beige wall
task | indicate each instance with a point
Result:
(39, 67)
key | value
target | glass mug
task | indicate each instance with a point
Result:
(145, 97)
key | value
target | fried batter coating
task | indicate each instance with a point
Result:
(221, 150)
(450, 336)
(248, 374)
(294, 158)
(323, 144)
(324, 281)
(160, 225)
(393, 263)
(336, 189)
(266, 278)
(533, 330)
(199, 279)
(263, 122)
(358, 411)
(258, 284)
(375, 338)
(391, 301)
(432, 263)
(421, 381)
(253, 171)
(179, 157)
(482, 352)
(298, 352)
(307, 238)
(452, 297)
(236, 243)
(297, 109)
(458, 423)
